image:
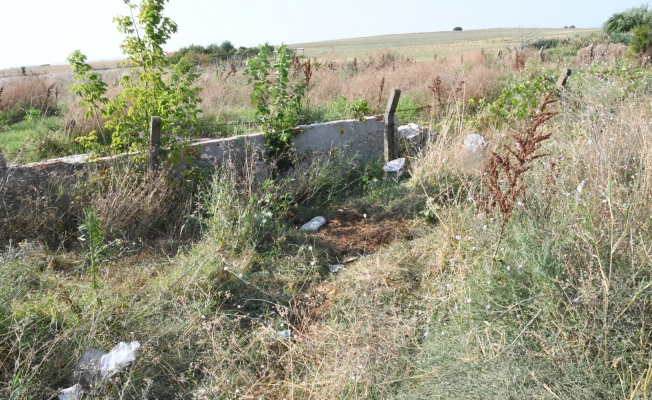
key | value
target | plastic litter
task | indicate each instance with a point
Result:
(314, 224)
(88, 368)
(336, 267)
(475, 143)
(95, 365)
(409, 131)
(285, 334)
(119, 357)
(394, 165)
(72, 393)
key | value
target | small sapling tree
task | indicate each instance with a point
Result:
(147, 90)
(278, 102)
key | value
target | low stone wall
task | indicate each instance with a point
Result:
(363, 140)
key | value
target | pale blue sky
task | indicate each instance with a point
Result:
(37, 32)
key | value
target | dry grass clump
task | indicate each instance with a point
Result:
(137, 205)
(76, 124)
(131, 205)
(222, 97)
(36, 209)
(602, 52)
(30, 93)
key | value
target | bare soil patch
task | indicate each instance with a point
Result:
(349, 233)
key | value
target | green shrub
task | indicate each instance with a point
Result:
(640, 42)
(147, 91)
(279, 103)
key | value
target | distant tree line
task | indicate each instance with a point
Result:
(202, 55)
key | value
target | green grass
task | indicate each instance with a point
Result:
(34, 139)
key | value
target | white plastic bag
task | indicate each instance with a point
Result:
(119, 357)
(72, 393)
(394, 165)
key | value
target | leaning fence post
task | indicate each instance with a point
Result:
(390, 129)
(154, 143)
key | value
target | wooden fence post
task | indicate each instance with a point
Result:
(154, 143)
(390, 128)
(561, 82)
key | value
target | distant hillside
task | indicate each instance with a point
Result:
(425, 45)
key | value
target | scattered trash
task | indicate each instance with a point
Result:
(119, 357)
(72, 393)
(336, 267)
(475, 144)
(475, 149)
(314, 224)
(285, 334)
(394, 165)
(410, 130)
(95, 365)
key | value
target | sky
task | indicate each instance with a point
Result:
(36, 32)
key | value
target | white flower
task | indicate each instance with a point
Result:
(468, 300)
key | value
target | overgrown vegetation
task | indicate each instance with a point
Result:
(522, 274)
(214, 53)
(148, 90)
(278, 102)
(636, 22)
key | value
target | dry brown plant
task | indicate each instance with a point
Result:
(504, 172)
(380, 93)
(140, 206)
(307, 72)
(30, 92)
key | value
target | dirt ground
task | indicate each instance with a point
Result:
(349, 234)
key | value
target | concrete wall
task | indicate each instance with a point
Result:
(363, 140)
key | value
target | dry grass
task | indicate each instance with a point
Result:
(552, 303)
(30, 92)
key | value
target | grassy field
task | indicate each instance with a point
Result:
(424, 46)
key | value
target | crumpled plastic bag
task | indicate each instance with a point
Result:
(394, 165)
(119, 357)
(72, 393)
(95, 365)
(409, 131)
